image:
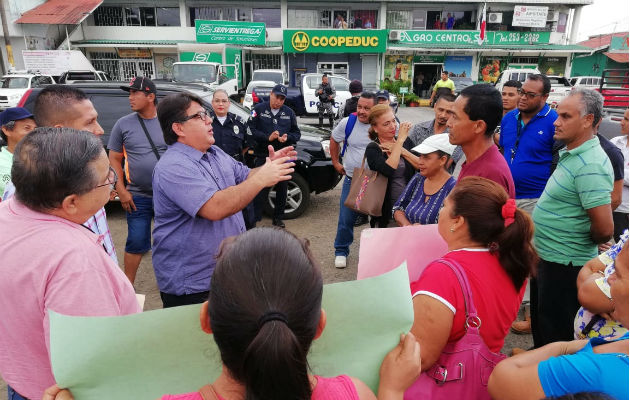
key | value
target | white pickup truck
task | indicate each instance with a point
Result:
(302, 99)
(212, 74)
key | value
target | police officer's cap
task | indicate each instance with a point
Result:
(279, 90)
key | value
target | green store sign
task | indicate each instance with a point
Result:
(230, 32)
(335, 41)
(470, 37)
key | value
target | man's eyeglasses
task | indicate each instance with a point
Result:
(202, 115)
(529, 95)
(112, 179)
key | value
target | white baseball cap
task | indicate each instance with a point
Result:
(435, 143)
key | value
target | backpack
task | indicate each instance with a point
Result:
(352, 119)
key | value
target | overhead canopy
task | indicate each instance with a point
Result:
(618, 57)
(60, 12)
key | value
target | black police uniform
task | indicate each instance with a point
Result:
(232, 138)
(262, 123)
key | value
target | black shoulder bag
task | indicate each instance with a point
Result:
(146, 132)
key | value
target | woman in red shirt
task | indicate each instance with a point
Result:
(491, 239)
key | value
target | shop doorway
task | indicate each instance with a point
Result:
(424, 78)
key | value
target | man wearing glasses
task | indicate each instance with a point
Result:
(527, 140)
(50, 261)
(199, 192)
(137, 140)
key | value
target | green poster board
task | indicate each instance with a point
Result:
(230, 32)
(335, 41)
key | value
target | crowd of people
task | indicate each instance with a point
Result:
(525, 198)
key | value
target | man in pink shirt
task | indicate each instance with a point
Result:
(473, 118)
(49, 260)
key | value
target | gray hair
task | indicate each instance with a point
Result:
(220, 91)
(10, 125)
(592, 103)
(50, 164)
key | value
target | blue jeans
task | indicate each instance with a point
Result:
(13, 395)
(139, 226)
(345, 224)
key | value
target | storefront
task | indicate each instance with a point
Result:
(459, 53)
(353, 54)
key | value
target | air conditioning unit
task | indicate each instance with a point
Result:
(553, 15)
(495, 18)
(395, 35)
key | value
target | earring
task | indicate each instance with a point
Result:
(452, 229)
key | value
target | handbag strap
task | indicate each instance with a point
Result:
(146, 132)
(473, 321)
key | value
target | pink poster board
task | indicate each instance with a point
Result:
(382, 250)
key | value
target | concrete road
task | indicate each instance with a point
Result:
(318, 224)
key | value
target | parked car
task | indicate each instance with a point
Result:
(461, 83)
(313, 170)
(14, 85)
(588, 82)
(514, 74)
(302, 99)
(248, 100)
(275, 75)
(560, 88)
(72, 76)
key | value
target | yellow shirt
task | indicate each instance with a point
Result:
(444, 84)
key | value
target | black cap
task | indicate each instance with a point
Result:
(355, 86)
(280, 90)
(382, 94)
(141, 84)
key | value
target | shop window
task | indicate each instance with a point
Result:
(237, 14)
(450, 20)
(419, 19)
(363, 19)
(341, 19)
(562, 22)
(108, 16)
(167, 16)
(140, 16)
(270, 16)
(266, 61)
(399, 19)
(310, 18)
(209, 13)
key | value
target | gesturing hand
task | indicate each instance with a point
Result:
(274, 135)
(288, 151)
(275, 171)
(404, 130)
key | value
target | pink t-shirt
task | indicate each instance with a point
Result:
(49, 263)
(338, 388)
(491, 165)
(496, 299)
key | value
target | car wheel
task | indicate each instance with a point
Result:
(298, 198)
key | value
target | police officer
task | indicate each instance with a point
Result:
(273, 123)
(326, 94)
(230, 134)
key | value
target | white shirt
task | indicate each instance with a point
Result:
(622, 143)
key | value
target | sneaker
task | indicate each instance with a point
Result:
(340, 262)
(278, 223)
(361, 219)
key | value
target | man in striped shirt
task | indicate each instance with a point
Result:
(572, 217)
(68, 107)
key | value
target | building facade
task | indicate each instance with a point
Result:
(371, 40)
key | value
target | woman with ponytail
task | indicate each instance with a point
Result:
(264, 309)
(490, 239)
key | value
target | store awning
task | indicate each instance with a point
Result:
(542, 48)
(184, 45)
(60, 12)
(618, 57)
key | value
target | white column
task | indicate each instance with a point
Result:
(382, 16)
(183, 13)
(575, 25)
(283, 14)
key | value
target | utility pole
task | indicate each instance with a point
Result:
(7, 39)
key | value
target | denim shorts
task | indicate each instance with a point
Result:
(139, 226)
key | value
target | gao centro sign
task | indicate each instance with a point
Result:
(335, 41)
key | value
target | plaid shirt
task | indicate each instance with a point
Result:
(97, 224)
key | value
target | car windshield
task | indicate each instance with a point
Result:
(559, 81)
(15, 83)
(205, 73)
(461, 83)
(267, 76)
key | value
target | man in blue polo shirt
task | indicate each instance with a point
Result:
(527, 141)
